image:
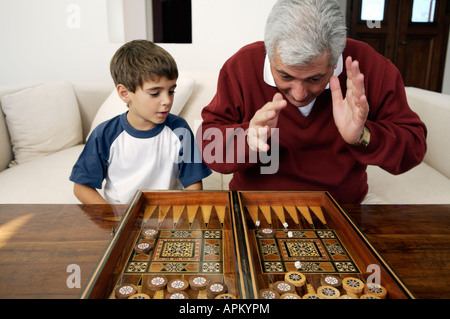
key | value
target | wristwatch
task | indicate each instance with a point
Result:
(364, 140)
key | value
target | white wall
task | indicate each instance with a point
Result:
(38, 44)
(44, 40)
(219, 29)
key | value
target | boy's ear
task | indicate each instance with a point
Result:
(123, 92)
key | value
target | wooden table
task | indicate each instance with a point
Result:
(414, 240)
(39, 242)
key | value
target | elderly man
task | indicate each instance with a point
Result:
(322, 106)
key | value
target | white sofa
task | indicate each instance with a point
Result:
(43, 177)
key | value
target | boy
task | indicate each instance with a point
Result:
(146, 147)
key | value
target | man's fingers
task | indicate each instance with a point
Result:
(336, 92)
(269, 111)
(355, 83)
(359, 87)
(278, 103)
(261, 123)
(277, 98)
(257, 138)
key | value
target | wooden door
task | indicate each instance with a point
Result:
(413, 34)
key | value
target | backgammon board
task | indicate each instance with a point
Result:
(313, 236)
(238, 245)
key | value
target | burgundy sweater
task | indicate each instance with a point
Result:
(312, 154)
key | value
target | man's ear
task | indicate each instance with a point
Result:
(124, 93)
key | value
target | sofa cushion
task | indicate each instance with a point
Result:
(42, 120)
(113, 105)
(420, 185)
(44, 180)
(434, 110)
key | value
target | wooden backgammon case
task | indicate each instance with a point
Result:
(246, 241)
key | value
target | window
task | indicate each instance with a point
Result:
(423, 11)
(372, 10)
(172, 21)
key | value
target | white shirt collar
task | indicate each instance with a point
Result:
(305, 110)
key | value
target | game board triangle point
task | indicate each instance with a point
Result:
(279, 212)
(149, 210)
(214, 222)
(206, 212)
(166, 216)
(317, 210)
(163, 210)
(192, 211)
(253, 212)
(293, 213)
(152, 213)
(220, 210)
(306, 214)
(266, 212)
(198, 222)
(177, 211)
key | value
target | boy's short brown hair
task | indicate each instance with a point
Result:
(141, 60)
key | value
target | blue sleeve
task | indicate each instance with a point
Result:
(91, 166)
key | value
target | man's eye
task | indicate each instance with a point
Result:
(285, 76)
(172, 92)
(154, 94)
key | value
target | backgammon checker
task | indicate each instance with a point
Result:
(177, 295)
(198, 282)
(353, 285)
(311, 296)
(296, 278)
(139, 296)
(328, 292)
(376, 290)
(177, 285)
(348, 296)
(150, 233)
(225, 296)
(143, 248)
(369, 296)
(125, 291)
(289, 295)
(269, 293)
(266, 233)
(283, 287)
(157, 282)
(331, 280)
(216, 288)
(311, 293)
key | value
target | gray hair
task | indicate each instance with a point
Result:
(302, 30)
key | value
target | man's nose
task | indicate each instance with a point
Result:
(299, 91)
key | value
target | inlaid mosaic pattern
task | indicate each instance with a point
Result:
(318, 251)
(185, 251)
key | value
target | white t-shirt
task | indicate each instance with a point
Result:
(163, 158)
